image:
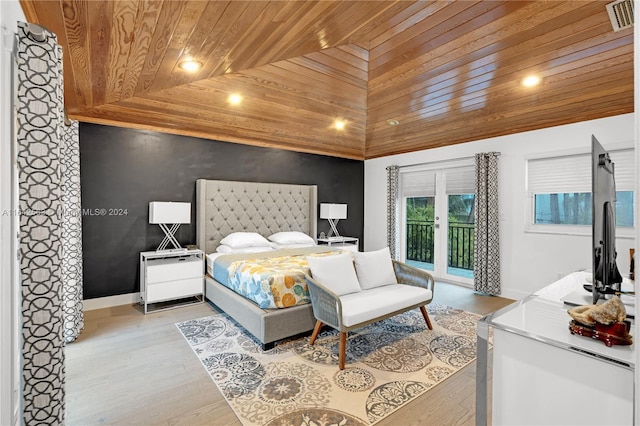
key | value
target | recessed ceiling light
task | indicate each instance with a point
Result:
(190, 65)
(392, 122)
(340, 124)
(530, 81)
(235, 99)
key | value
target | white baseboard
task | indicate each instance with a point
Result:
(110, 301)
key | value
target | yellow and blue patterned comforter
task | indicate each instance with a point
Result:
(273, 280)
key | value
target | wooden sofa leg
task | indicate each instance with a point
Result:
(342, 349)
(426, 317)
(316, 331)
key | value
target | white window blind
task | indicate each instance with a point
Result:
(624, 169)
(418, 184)
(572, 173)
(460, 180)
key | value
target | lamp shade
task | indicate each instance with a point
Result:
(169, 212)
(333, 211)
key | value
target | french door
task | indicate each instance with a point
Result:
(437, 211)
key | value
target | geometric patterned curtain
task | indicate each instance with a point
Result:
(393, 211)
(39, 118)
(71, 232)
(486, 252)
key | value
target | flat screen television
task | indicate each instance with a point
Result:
(606, 276)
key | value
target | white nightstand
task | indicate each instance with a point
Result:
(171, 275)
(345, 243)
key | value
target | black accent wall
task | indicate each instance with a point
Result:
(122, 170)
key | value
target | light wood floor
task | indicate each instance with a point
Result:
(127, 368)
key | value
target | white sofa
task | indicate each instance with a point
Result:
(350, 290)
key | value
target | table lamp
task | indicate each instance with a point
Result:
(333, 213)
(169, 213)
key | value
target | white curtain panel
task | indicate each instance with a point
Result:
(486, 261)
(39, 118)
(71, 232)
(393, 211)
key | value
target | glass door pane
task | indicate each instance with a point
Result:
(438, 216)
(460, 235)
(420, 232)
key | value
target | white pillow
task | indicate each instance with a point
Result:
(291, 237)
(374, 268)
(336, 272)
(245, 239)
(291, 246)
(230, 250)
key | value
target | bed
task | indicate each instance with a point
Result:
(223, 207)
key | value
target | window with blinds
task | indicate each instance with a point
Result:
(459, 180)
(560, 189)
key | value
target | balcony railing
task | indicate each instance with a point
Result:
(459, 246)
(420, 241)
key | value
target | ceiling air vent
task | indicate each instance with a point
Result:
(621, 14)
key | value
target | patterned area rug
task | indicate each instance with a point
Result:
(389, 363)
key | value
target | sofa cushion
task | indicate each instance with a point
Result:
(374, 268)
(380, 301)
(335, 272)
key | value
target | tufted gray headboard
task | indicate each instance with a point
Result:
(224, 206)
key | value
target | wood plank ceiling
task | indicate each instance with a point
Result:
(447, 71)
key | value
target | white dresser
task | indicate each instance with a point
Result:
(171, 276)
(544, 375)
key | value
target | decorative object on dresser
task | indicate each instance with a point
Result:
(170, 279)
(333, 213)
(169, 213)
(606, 322)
